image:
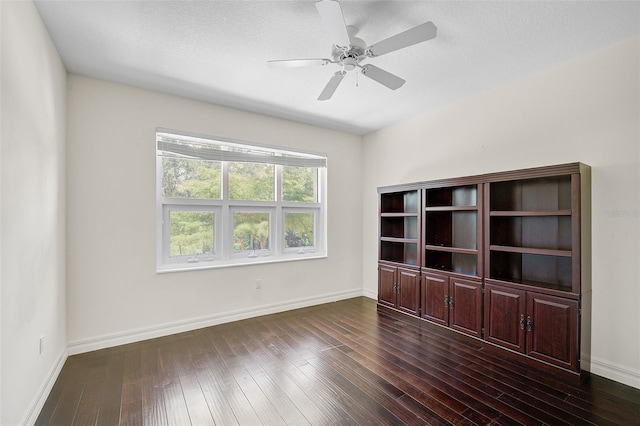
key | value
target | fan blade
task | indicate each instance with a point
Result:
(333, 20)
(290, 63)
(383, 77)
(331, 86)
(415, 35)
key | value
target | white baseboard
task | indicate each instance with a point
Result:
(370, 294)
(615, 372)
(136, 335)
(43, 393)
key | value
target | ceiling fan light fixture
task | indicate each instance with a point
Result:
(349, 64)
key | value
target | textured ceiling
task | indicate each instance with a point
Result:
(216, 51)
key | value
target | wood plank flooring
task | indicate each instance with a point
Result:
(338, 363)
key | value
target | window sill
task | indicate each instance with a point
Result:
(184, 267)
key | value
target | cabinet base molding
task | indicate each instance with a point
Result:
(518, 360)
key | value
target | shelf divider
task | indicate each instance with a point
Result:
(534, 213)
(451, 209)
(529, 250)
(451, 249)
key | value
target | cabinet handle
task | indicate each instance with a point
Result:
(529, 324)
(522, 322)
(446, 301)
(450, 302)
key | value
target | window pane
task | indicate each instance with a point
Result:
(192, 233)
(251, 181)
(250, 231)
(299, 183)
(186, 178)
(298, 229)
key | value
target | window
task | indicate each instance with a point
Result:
(222, 203)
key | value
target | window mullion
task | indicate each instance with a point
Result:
(278, 220)
(226, 233)
(225, 181)
(278, 232)
(278, 182)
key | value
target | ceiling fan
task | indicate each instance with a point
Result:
(349, 51)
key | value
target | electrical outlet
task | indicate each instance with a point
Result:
(41, 346)
(258, 284)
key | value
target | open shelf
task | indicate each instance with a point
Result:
(404, 226)
(538, 232)
(529, 195)
(532, 269)
(451, 229)
(462, 263)
(399, 251)
(455, 196)
(400, 202)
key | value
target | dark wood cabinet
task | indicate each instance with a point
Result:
(408, 291)
(552, 329)
(453, 302)
(387, 293)
(504, 316)
(435, 296)
(503, 257)
(542, 326)
(465, 306)
(399, 288)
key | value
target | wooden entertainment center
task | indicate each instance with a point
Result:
(502, 257)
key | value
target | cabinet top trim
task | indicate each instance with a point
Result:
(535, 172)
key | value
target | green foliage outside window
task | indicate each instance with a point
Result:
(186, 178)
(192, 233)
(298, 230)
(251, 181)
(250, 231)
(299, 184)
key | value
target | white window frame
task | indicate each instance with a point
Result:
(224, 209)
(270, 210)
(166, 233)
(316, 227)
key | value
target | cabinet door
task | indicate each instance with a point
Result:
(504, 317)
(435, 294)
(552, 329)
(465, 305)
(387, 285)
(408, 297)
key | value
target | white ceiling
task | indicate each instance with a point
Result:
(216, 51)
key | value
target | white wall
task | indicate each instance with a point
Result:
(584, 110)
(32, 195)
(114, 292)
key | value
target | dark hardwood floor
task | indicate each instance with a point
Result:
(338, 363)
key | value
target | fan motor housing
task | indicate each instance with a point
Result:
(349, 59)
